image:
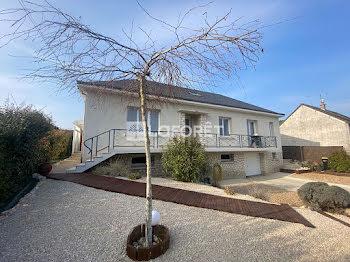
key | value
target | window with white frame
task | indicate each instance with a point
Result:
(252, 130)
(134, 120)
(272, 133)
(224, 126)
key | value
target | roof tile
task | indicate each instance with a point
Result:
(175, 92)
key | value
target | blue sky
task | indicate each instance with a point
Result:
(303, 58)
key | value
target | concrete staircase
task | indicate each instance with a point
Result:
(91, 163)
(79, 168)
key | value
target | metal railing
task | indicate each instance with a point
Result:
(109, 140)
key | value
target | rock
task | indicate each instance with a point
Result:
(347, 212)
(38, 177)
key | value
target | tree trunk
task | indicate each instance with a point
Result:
(148, 231)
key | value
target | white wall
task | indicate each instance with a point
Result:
(76, 139)
(309, 127)
(106, 111)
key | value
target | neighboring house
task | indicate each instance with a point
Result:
(243, 138)
(318, 127)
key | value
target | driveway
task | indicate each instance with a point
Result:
(63, 221)
(282, 180)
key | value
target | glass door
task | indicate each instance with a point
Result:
(188, 125)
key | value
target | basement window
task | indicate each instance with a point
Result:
(226, 157)
(140, 161)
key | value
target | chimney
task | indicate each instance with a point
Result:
(323, 105)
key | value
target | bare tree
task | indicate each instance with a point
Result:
(70, 50)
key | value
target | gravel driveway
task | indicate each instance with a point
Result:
(63, 221)
(279, 179)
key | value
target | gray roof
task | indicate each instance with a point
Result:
(330, 113)
(175, 92)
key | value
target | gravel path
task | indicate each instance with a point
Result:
(327, 178)
(202, 188)
(63, 221)
(279, 179)
(269, 193)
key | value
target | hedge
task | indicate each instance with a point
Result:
(60, 143)
(22, 147)
(339, 162)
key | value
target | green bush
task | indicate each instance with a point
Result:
(321, 196)
(134, 176)
(339, 162)
(60, 143)
(22, 148)
(185, 159)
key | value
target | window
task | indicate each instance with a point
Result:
(226, 158)
(272, 133)
(134, 120)
(188, 124)
(140, 161)
(224, 126)
(252, 128)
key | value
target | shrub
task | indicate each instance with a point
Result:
(339, 162)
(114, 169)
(321, 196)
(22, 148)
(134, 176)
(205, 179)
(60, 143)
(185, 159)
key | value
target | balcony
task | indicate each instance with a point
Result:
(122, 138)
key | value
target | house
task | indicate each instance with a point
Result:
(243, 138)
(316, 129)
(77, 143)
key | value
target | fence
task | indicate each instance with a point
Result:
(309, 153)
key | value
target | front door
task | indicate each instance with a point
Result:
(252, 164)
(188, 125)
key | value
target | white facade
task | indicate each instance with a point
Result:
(309, 127)
(78, 127)
(106, 109)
